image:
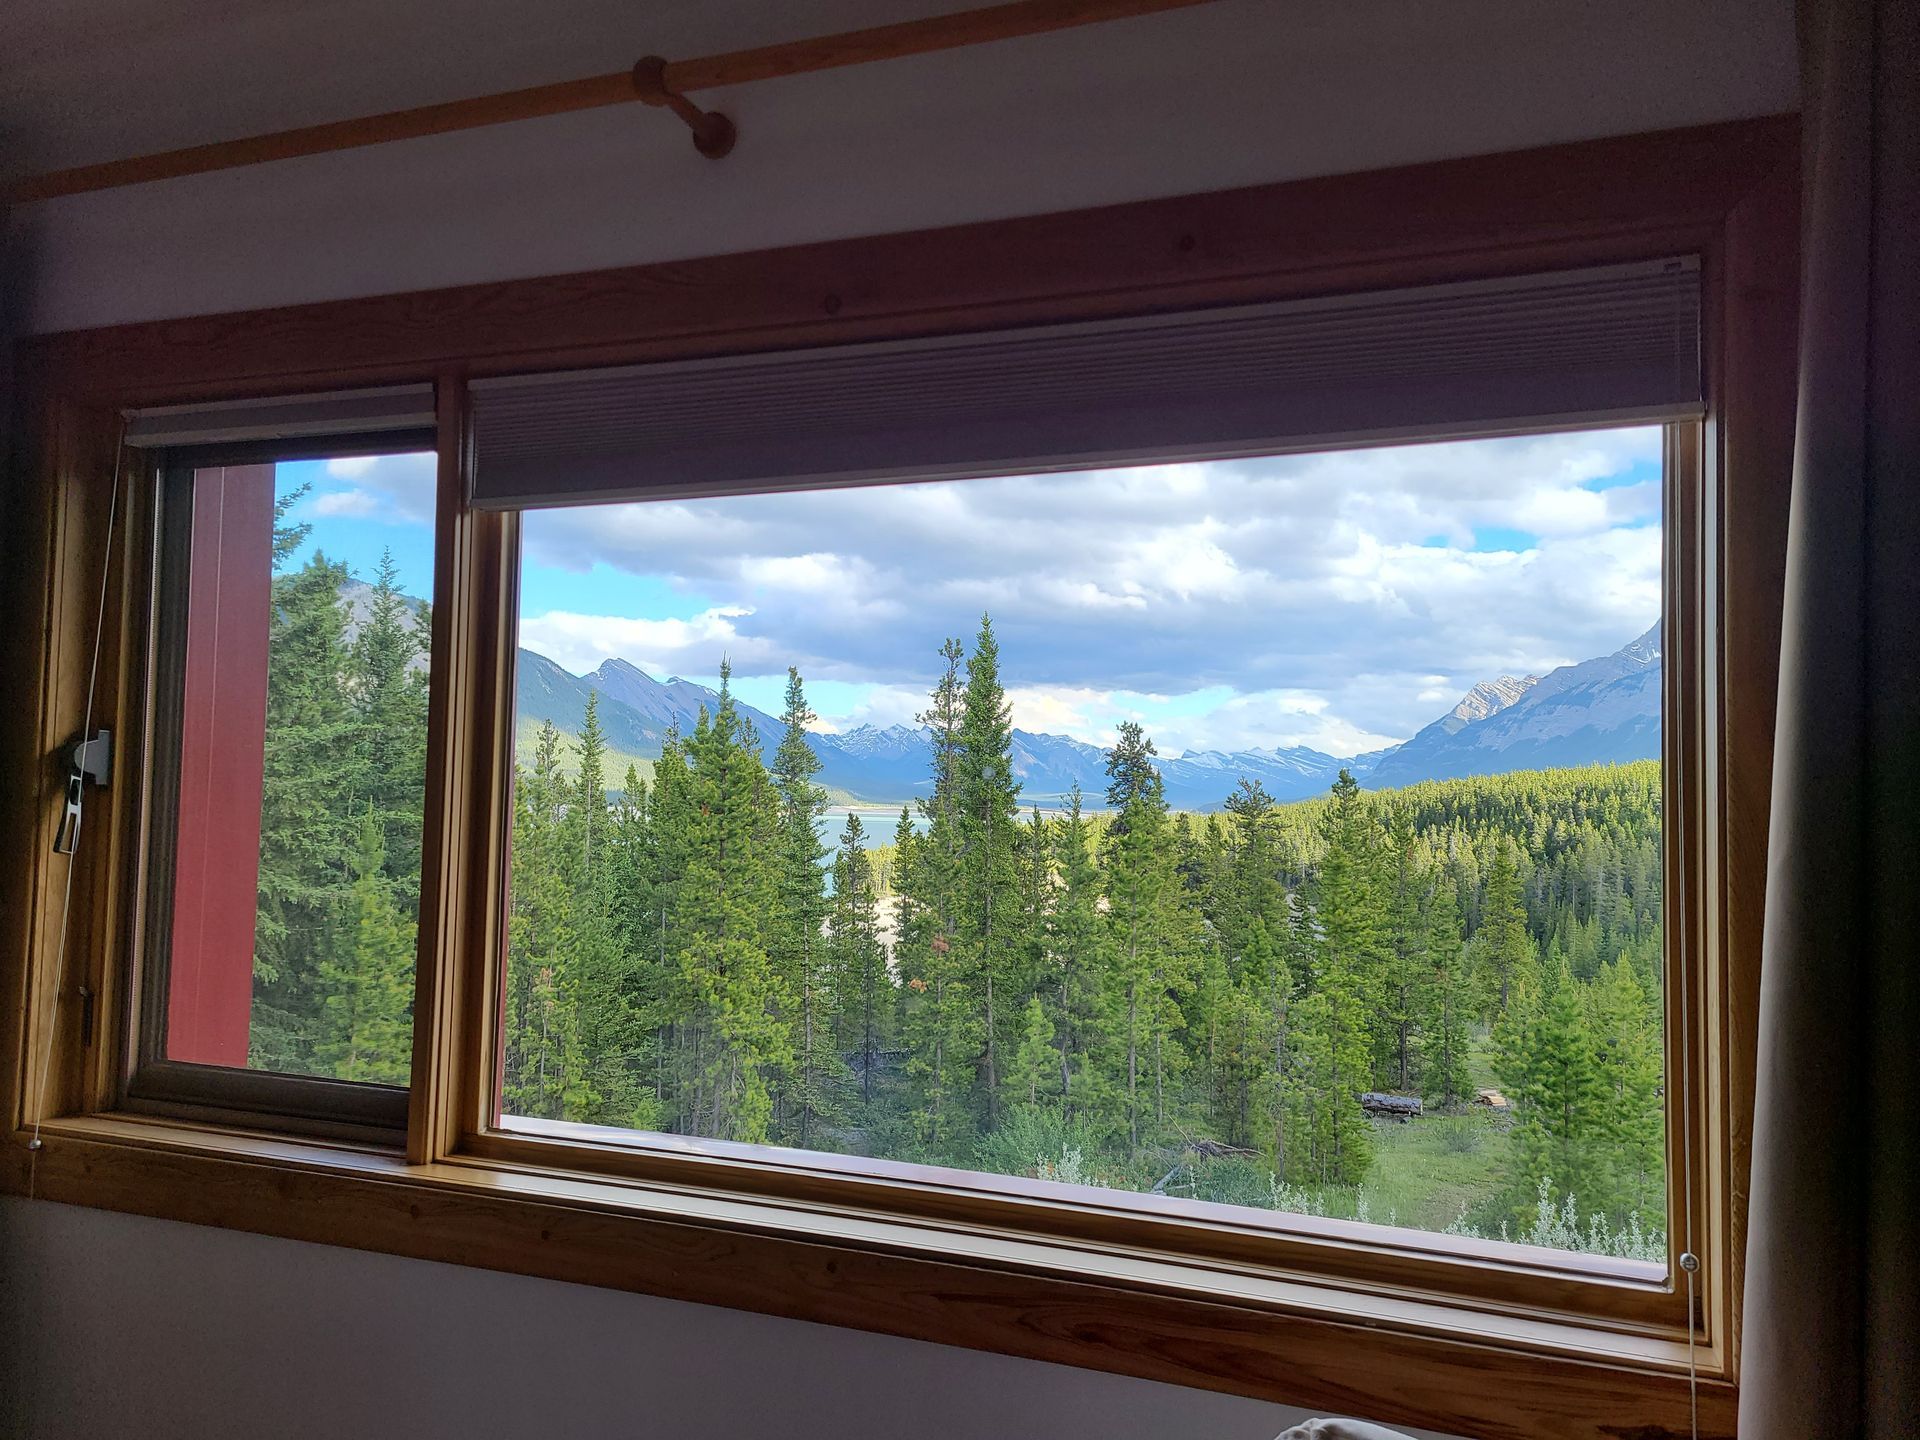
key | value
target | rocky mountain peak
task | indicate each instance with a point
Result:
(1490, 697)
(1645, 650)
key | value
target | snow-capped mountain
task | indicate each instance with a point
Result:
(1489, 697)
(1607, 709)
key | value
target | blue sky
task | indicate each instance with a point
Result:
(1338, 600)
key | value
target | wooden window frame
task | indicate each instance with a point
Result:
(1326, 1314)
(152, 1083)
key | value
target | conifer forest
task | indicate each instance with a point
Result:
(1105, 992)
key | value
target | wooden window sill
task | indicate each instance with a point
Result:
(1250, 1330)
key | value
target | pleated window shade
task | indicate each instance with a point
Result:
(1600, 346)
(386, 410)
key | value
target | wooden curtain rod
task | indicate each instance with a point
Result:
(673, 80)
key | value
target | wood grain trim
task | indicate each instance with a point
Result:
(62, 512)
(1636, 197)
(1753, 345)
(469, 762)
(738, 67)
(1508, 1279)
(1401, 1362)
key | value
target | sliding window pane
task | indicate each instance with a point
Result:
(301, 650)
(1275, 833)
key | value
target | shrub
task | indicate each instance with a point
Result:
(1038, 1141)
(1459, 1134)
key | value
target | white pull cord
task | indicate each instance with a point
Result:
(66, 897)
(1689, 1261)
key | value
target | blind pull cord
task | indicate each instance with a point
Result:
(91, 758)
(1689, 1261)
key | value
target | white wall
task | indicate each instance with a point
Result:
(115, 1325)
(1234, 93)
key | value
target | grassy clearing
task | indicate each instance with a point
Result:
(1426, 1171)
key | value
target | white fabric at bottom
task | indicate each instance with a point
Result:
(1339, 1430)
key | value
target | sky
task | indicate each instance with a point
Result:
(1339, 600)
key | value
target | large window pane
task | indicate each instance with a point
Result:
(303, 691)
(1280, 833)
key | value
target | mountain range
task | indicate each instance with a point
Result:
(1600, 710)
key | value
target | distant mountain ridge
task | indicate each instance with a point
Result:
(1606, 709)
(1601, 710)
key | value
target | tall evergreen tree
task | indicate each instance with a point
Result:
(1331, 1023)
(1074, 950)
(307, 816)
(1545, 1057)
(940, 1021)
(542, 1050)
(740, 1044)
(859, 963)
(390, 746)
(1147, 948)
(799, 954)
(1449, 1000)
(1626, 1035)
(367, 982)
(988, 806)
(1034, 1076)
(1504, 951)
(1405, 966)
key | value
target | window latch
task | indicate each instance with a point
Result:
(90, 760)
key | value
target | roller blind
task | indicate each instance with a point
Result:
(1595, 346)
(284, 417)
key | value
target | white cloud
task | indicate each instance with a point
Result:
(1349, 580)
(882, 706)
(345, 503)
(394, 489)
(1266, 719)
(660, 647)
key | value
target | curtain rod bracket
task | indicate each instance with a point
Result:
(713, 133)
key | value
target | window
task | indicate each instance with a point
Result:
(568, 1113)
(292, 675)
(1280, 834)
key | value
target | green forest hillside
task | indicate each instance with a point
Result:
(1116, 995)
(1132, 998)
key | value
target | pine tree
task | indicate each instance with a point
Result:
(1626, 1033)
(390, 744)
(988, 811)
(1504, 952)
(654, 915)
(595, 976)
(1147, 950)
(1331, 1022)
(1034, 1076)
(941, 1026)
(1073, 948)
(798, 949)
(542, 1050)
(307, 814)
(739, 1043)
(1246, 994)
(859, 964)
(1545, 1058)
(1449, 1001)
(367, 984)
